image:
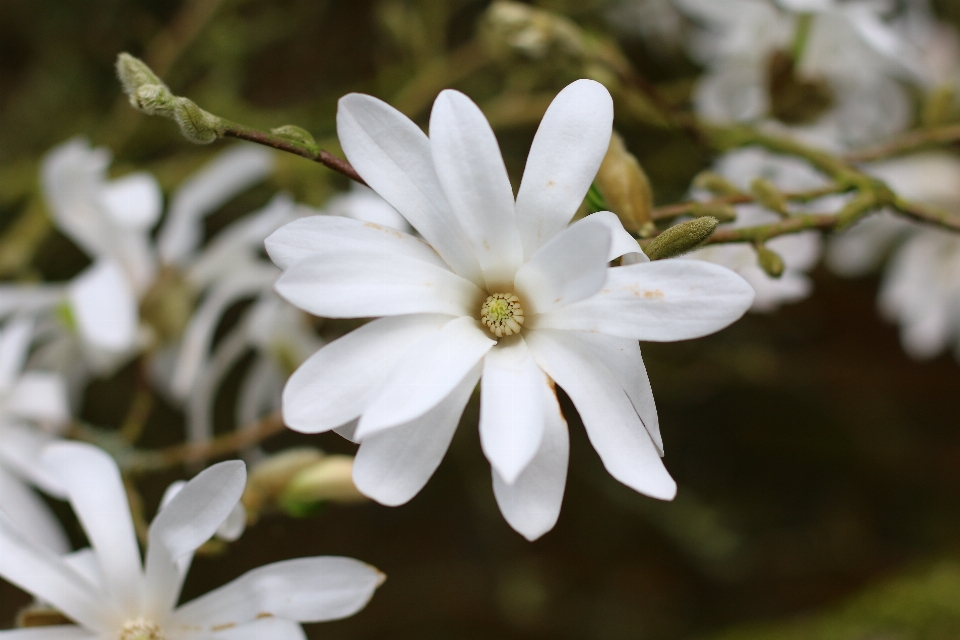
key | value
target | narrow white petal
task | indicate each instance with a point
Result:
(622, 243)
(569, 267)
(29, 298)
(426, 374)
(336, 383)
(20, 453)
(305, 590)
(84, 562)
(316, 235)
(31, 513)
(233, 527)
(610, 419)
(96, 492)
(659, 301)
(133, 201)
(45, 575)
(512, 412)
(393, 156)
(564, 159)
(349, 285)
(15, 340)
(265, 628)
(61, 632)
(224, 177)
(105, 307)
(392, 466)
(40, 396)
(362, 203)
(470, 168)
(190, 519)
(622, 357)
(531, 505)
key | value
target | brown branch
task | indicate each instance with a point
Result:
(907, 142)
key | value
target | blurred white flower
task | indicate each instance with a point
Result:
(497, 288)
(800, 251)
(851, 62)
(110, 593)
(33, 406)
(920, 289)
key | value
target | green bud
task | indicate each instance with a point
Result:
(295, 134)
(624, 185)
(154, 100)
(681, 238)
(769, 196)
(196, 125)
(769, 261)
(133, 74)
(938, 106)
(722, 212)
(269, 477)
(327, 480)
(715, 183)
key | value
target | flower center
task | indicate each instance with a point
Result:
(501, 313)
(141, 629)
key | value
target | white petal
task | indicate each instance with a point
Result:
(40, 396)
(29, 298)
(190, 519)
(60, 632)
(20, 452)
(133, 201)
(622, 243)
(622, 357)
(363, 203)
(531, 505)
(659, 301)
(15, 340)
(470, 168)
(569, 267)
(45, 575)
(610, 419)
(84, 562)
(426, 374)
(350, 285)
(31, 513)
(336, 383)
(305, 590)
(393, 156)
(272, 628)
(511, 407)
(392, 466)
(564, 159)
(96, 492)
(105, 307)
(231, 172)
(315, 235)
(233, 527)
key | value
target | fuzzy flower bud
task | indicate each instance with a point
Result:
(134, 74)
(769, 196)
(715, 183)
(769, 261)
(624, 185)
(196, 125)
(295, 134)
(681, 238)
(269, 477)
(720, 211)
(327, 480)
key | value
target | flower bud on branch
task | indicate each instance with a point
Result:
(625, 187)
(682, 238)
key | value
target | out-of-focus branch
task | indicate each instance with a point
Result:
(910, 141)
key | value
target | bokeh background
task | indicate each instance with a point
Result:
(818, 466)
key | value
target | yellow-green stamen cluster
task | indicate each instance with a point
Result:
(501, 314)
(141, 629)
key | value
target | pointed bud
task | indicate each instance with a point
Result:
(769, 196)
(769, 261)
(295, 134)
(327, 480)
(681, 238)
(715, 183)
(625, 186)
(938, 106)
(269, 477)
(153, 100)
(720, 211)
(133, 74)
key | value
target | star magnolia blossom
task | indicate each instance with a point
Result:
(110, 595)
(498, 291)
(28, 399)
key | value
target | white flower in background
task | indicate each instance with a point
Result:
(658, 22)
(920, 289)
(849, 48)
(33, 406)
(498, 289)
(111, 594)
(800, 251)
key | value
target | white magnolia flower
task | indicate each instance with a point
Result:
(849, 47)
(800, 251)
(498, 289)
(920, 289)
(29, 400)
(111, 594)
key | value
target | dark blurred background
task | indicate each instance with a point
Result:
(818, 467)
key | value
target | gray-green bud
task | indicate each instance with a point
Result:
(681, 238)
(722, 212)
(715, 183)
(154, 100)
(769, 196)
(133, 74)
(295, 134)
(196, 125)
(769, 261)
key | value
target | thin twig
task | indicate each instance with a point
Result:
(907, 142)
(670, 211)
